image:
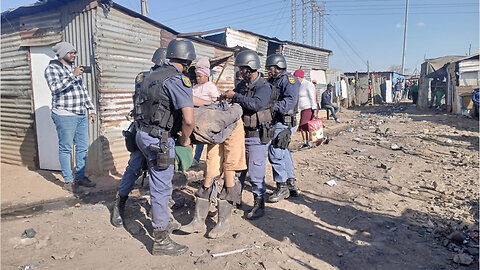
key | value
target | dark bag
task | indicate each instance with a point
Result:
(129, 135)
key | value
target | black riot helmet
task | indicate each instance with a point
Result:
(159, 56)
(181, 50)
(276, 60)
(249, 59)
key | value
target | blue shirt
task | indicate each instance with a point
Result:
(260, 98)
(179, 91)
(288, 87)
(326, 98)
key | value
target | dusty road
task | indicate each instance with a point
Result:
(405, 181)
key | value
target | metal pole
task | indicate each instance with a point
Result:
(144, 7)
(405, 38)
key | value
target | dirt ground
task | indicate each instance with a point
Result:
(406, 197)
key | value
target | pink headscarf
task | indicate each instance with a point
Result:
(203, 66)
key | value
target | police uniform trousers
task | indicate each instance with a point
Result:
(160, 180)
(256, 164)
(281, 159)
(132, 172)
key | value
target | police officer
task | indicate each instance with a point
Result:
(137, 160)
(284, 117)
(164, 109)
(256, 97)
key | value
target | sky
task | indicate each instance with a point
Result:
(356, 31)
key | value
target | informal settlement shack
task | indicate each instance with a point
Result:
(117, 42)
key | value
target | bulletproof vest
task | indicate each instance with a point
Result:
(256, 120)
(153, 106)
(275, 82)
(138, 84)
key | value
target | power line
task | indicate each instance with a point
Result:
(346, 41)
(399, 13)
(350, 60)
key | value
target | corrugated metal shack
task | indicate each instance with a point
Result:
(428, 67)
(116, 41)
(381, 84)
(297, 55)
(461, 74)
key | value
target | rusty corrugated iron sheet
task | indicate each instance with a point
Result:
(123, 47)
(41, 29)
(305, 58)
(17, 133)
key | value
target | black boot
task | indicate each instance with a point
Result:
(224, 214)
(280, 193)
(164, 245)
(292, 187)
(258, 208)
(118, 210)
(198, 222)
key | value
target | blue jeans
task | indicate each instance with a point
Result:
(198, 151)
(333, 110)
(72, 129)
(281, 159)
(132, 172)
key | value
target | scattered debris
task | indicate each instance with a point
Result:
(29, 233)
(463, 258)
(395, 147)
(30, 266)
(458, 237)
(215, 255)
(331, 183)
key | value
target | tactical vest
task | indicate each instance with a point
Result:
(152, 105)
(288, 119)
(254, 121)
(138, 85)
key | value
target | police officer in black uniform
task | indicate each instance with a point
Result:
(256, 97)
(285, 110)
(164, 108)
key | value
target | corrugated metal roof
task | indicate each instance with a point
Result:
(237, 38)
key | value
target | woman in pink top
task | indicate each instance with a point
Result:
(204, 92)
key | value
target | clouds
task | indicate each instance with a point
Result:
(420, 24)
(398, 25)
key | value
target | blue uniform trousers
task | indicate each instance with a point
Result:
(132, 172)
(160, 180)
(281, 159)
(256, 154)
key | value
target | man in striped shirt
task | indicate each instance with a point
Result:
(70, 104)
